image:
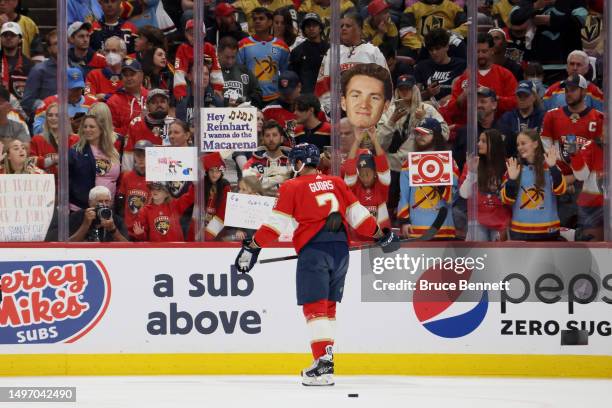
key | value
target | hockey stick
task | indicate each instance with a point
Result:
(427, 235)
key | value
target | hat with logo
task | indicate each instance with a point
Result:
(377, 6)
(525, 87)
(576, 80)
(131, 64)
(76, 26)
(429, 126)
(75, 78)
(406, 80)
(288, 81)
(11, 27)
(312, 17)
(366, 161)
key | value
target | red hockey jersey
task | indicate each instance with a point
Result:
(136, 192)
(41, 149)
(560, 124)
(125, 107)
(102, 81)
(183, 62)
(215, 217)
(308, 200)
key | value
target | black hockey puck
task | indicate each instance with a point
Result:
(353, 395)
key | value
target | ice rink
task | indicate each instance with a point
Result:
(285, 391)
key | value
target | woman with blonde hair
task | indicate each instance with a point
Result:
(94, 160)
(44, 146)
(14, 155)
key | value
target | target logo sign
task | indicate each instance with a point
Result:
(431, 168)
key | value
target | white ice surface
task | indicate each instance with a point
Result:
(286, 391)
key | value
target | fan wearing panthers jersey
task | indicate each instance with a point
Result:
(323, 208)
(113, 24)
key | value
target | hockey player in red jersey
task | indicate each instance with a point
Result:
(323, 208)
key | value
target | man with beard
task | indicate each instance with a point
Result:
(15, 66)
(152, 126)
(306, 58)
(491, 76)
(226, 25)
(104, 82)
(112, 24)
(126, 104)
(419, 206)
(270, 163)
(240, 83)
(80, 55)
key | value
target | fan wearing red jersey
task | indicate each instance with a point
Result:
(323, 208)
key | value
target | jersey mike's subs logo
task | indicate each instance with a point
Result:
(51, 301)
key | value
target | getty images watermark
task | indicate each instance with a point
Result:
(511, 275)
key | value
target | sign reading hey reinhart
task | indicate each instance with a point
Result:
(229, 129)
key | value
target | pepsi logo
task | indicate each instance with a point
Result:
(51, 301)
(433, 307)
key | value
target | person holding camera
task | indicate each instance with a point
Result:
(97, 223)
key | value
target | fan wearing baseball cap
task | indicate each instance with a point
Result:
(15, 66)
(29, 29)
(128, 102)
(80, 55)
(419, 205)
(379, 29)
(226, 25)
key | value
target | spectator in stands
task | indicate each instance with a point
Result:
(148, 37)
(94, 160)
(179, 135)
(535, 73)
(435, 75)
(379, 29)
(424, 15)
(9, 128)
(310, 128)
(184, 63)
(500, 11)
(347, 135)
(323, 9)
(29, 29)
(491, 76)
(113, 25)
(368, 176)
(528, 115)
(77, 102)
(266, 56)
(577, 63)
(152, 125)
(532, 183)
(398, 66)
(44, 146)
(14, 155)
(158, 72)
(282, 26)
(419, 206)
(487, 171)
(133, 192)
(97, 222)
(14, 65)
(159, 220)
(83, 10)
(249, 7)
(42, 81)
(353, 50)
(153, 14)
(226, 25)
(500, 56)
(241, 85)
(103, 83)
(127, 103)
(79, 54)
(282, 110)
(184, 108)
(557, 31)
(216, 189)
(306, 58)
(270, 162)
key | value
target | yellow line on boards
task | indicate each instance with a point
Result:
(291, 364)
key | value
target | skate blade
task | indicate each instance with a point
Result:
(320, 381)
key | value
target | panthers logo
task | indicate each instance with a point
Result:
(175, 188)
(162, 224)
(428, 23)
(103, 166)
(426, 197)
(135, 203)
(532, 198)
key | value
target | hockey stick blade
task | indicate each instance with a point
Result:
(427, 235)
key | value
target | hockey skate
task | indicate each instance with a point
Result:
(321, 372)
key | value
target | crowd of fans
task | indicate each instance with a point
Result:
(537, 173)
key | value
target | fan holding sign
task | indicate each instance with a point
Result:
(428, 182)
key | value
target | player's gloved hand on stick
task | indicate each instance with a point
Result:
(389, 241)
(247, 257)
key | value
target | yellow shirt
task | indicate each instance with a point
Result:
(247, 7)
(372, 35)
(502, 9)
(29, 30)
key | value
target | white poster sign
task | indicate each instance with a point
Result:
(171, 163)
(229, 129)
(247, 211)
(26, 206)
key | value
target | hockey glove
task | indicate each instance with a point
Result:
(247, 257)
(389, 242)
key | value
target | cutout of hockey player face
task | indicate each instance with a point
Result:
(364, 102)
